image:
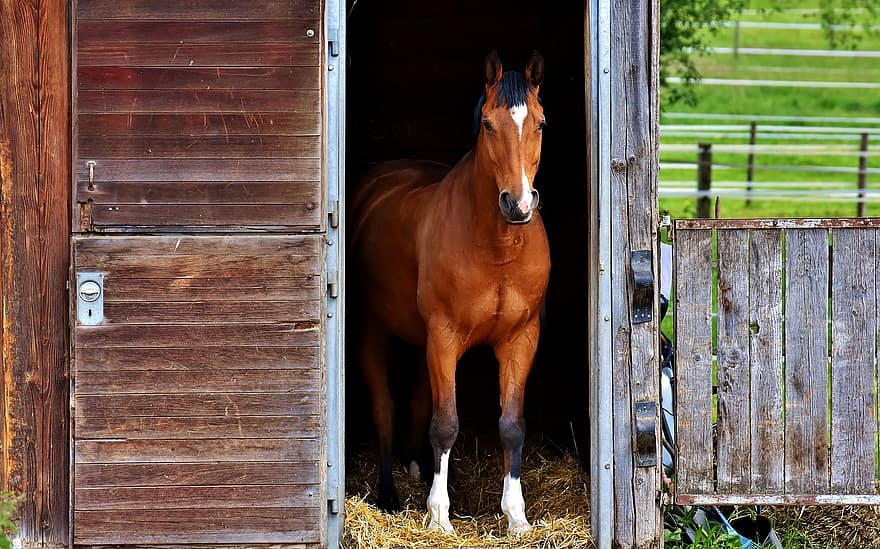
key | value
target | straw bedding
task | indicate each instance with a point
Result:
(556, 490)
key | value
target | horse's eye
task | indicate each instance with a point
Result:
(541, 125)
(488, 126)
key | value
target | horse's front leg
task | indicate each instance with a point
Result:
(514, 362)
(443, 353)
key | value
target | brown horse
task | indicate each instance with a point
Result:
(449, 259)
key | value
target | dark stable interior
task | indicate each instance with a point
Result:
(414, 78)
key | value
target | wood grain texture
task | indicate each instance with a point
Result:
(182, 358)
(195, 192)
(197, 474)
(229, 147)
(298, 169)
(34, 256)
(197, 32)
(733, 442)
(187, 428)
(198, 526)
(133, 78)
(128, 217)
(853, 326)
(195, 10)
(295, 54)
(197, 101)
(207, 370)
(693, 342)
(765, 358)
(204, 124)
(806, 361)
(199, 405)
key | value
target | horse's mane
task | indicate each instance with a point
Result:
(513, 91)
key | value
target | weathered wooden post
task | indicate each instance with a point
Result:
(750, 170)
(863, 171)
(624, 378)
(704, 179)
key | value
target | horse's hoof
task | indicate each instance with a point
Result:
(518, 528)
(388, 502)
(443, 525)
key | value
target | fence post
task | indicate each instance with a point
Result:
(750, 171)
(863, 170)
(704, 179)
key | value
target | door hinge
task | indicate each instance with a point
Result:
(646, 434)
(333, 213)
(333, 506)
(643, 286)
(333, 41)
(332, 284)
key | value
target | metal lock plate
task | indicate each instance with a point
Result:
(89, 298)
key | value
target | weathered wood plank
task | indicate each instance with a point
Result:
(251, 146)
(196, 451)
(195, 192)
(204, 124)
(204, 405)
(196, 32)
(188, 428)
(211, 312)
(693, 343)
(196, 474)
(305, 216)
(199, 526)
(197, 381)
(853, 328)
(134, 250)
(153, 290)
(299, 169)
(298, 334)
(227, 357)
(765, 358)
(195, 10)
(197, 101)
(288, 266)
(806, 361)
(34, 255)
(733, 444)
(195, 497)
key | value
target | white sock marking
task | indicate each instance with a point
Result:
(514, 506)
(438, 499)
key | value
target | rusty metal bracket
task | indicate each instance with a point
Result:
(646, 434)
(643, 286)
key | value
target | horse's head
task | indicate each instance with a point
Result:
(511, 121)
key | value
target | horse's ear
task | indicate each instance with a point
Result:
(492, 70)
(535, 70)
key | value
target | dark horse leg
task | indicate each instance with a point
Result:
(514, 362)
(374, 365)
(443, 352)
(418, 450)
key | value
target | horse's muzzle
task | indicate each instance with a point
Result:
(511, 211)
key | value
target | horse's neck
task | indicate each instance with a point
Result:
(474, 197)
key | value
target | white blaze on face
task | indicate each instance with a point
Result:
(519, 114)
(514, 506)
(438, 499)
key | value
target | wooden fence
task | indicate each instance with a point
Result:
(776, 361)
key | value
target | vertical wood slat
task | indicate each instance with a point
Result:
(853, 318)
(693, 341)
(733, 444)
(765, 358)
(34, 185)
(806, 364)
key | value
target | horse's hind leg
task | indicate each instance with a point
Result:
(418, 451)
(514, 362)
(373, 355)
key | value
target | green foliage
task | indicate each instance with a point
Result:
(710, 536)
(685, 28)
(8, 504)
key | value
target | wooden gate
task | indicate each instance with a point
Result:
(198, 371)
(776, 361)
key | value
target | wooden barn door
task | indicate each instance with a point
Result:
(199, 302)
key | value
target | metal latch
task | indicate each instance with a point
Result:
(333, 42)
(332, 284)
(333, 213)
(646, 434)
(643, 286)
(89, 298)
